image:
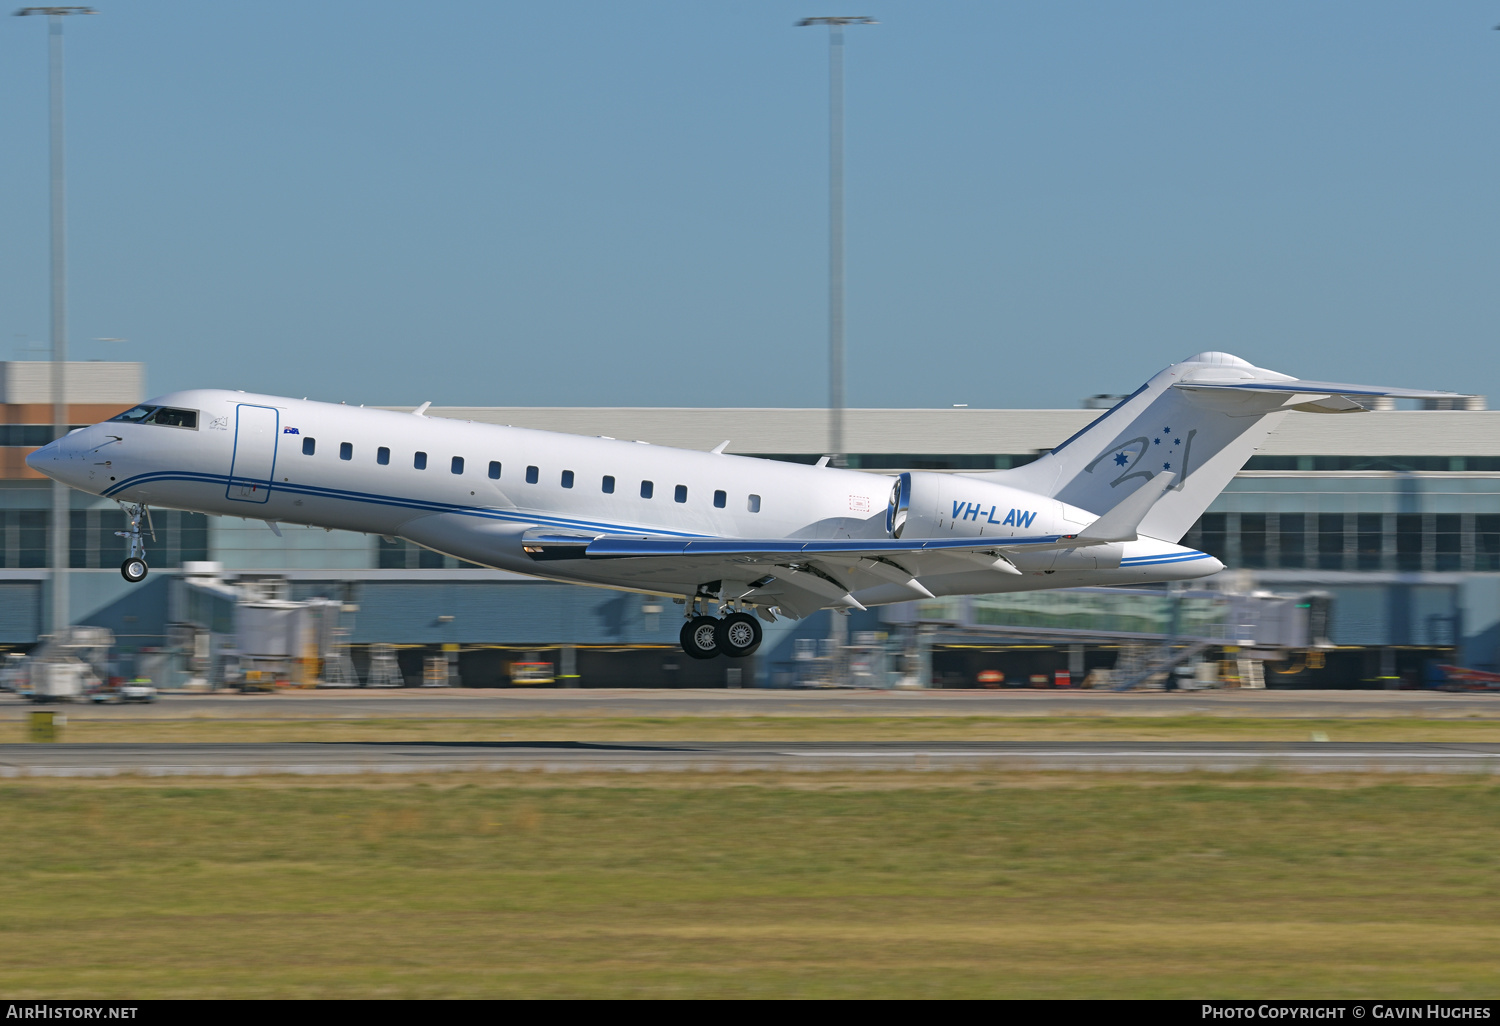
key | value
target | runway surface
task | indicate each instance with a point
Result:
(104, 760)
(420, 703)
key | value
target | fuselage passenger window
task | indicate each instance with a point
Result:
(383, 456)
(309, 446)
(646, 489)
(720, 498)
(346, 450)
(531, 475)
(754, 504)
(458, 465)
(494, 470)
(609, 484)
(419, 460)
(681, 494)
(567, 479)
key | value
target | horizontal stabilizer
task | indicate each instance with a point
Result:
(1121, 522)
(1312, 391)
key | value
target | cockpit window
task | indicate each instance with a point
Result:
(175, 418)
(160, 415)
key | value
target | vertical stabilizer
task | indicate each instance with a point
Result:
(1200, 420)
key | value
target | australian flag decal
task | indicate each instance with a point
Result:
(289, 431)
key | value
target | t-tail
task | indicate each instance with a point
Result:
(1200, 420)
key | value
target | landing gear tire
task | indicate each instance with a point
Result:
(134, 570)
(699, 637)
(738, 635)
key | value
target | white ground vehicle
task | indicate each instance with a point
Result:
(132, 691)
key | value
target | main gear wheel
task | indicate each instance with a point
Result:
(700, 637)
(738, 635)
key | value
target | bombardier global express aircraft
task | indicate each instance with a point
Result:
(754, 537)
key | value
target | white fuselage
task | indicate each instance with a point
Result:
(479, 488)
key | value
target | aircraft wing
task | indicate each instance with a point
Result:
(806, 574)
(798, 575)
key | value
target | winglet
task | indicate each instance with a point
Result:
(1120, 523)
(718, 450)
(421, 411)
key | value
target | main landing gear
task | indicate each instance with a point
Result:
(735, 635)
(134, 569)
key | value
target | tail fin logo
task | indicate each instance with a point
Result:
(1148, 455)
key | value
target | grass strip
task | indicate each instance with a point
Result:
(728, 885)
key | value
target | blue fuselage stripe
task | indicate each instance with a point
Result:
(399, 502)
(1185, 557)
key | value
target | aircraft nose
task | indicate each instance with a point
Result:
(42, 460)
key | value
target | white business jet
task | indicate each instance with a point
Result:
(751, 536)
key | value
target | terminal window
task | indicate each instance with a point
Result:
(1443, 542)
(1369, 541)
(1409, 541)
(400, 554)
(1253, 540)
(1447, 542)
(1487, 541)
(93, 544)
(1213, 536)
(1330, 541)
(1292, 541)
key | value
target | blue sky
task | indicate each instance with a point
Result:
(625, 204)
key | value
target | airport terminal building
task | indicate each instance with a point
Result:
(1394, 513)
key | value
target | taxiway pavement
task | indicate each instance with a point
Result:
(342, 758)
(459, 703)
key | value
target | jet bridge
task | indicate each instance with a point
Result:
(1156, 631)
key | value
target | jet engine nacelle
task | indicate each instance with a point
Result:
(951, 505)
(944, 505)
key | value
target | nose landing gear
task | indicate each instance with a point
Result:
(134, 569)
